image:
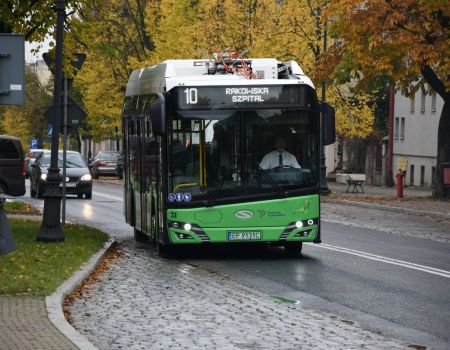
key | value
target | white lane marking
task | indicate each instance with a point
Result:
(108, 196)
(386, 260)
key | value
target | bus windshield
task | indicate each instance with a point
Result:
(216, 155)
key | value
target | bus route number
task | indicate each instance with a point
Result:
(191, 96)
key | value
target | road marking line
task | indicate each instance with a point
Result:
(108, 196)
(423, 268)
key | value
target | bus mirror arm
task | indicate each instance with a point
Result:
(158, 114)
(328, 124)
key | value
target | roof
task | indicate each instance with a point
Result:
(171, 73)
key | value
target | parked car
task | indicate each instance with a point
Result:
(30, 158)
(104, 164)
(12, 166)
(78, 178)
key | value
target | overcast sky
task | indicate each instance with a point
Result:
(31, 58)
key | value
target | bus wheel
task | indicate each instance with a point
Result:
(293, 249)
(163, 249)
(139, 236)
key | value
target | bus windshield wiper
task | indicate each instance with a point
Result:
(271, 181)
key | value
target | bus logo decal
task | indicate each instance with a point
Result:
(243, 214)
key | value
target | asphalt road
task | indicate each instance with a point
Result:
(388, 282)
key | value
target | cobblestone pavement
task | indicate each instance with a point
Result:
(415, 198)
(145, 302)
(427, 227)
(335, 210)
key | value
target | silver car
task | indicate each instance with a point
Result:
(104, 164)
(30, 158)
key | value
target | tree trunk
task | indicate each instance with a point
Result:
(443, 147)
(443, 151)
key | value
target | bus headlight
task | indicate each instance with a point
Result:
(298, 224)
(310, 222)
(43, 177)
(86, 177)
(187, 227)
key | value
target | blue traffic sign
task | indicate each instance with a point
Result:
(34, 143)
(49, 129)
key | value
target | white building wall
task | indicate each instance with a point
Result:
(415, 136)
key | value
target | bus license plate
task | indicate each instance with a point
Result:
(244, 235)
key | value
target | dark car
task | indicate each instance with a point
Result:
(104, 164)
(12, 166)
(30, 158)
(78, 178)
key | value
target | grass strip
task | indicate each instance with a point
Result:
(38, 268)
(20, 208)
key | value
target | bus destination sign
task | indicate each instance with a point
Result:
(231, 97)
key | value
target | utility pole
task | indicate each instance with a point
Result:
(51, 230)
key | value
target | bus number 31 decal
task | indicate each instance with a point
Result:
(191, 96)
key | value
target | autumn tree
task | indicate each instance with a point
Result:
(404, 40)
(112, 34)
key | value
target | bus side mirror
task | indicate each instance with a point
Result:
(158, 114)
(328, 124)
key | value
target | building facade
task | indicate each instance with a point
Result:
(416, 122)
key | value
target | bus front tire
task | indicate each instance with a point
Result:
(139, 236)
(293, 249)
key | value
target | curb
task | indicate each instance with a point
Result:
(389, 208)
(54, 302)
(102, 181)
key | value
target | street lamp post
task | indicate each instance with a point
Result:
(323, 168)
(51, 230)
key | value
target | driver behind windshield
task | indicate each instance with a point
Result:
(279, 157)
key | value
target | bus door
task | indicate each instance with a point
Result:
(146, 181)
(135, 172)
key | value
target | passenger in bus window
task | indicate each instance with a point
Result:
(279, 157)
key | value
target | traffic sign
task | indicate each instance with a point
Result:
(49, 129)
(75, 115)
(12, 69)
(76, 63)
(34, 143)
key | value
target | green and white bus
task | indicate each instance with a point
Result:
(222, 151)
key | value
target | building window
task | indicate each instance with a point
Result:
(433, 102)
(396, 128)
(411, 175)
(402, 129)
(413, 101)
(422, 175)
(422, 100)
(433, 175)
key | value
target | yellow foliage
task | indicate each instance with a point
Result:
(121, 38)
(354, 116)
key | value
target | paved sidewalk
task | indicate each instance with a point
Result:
(416, 200)
(24, 325)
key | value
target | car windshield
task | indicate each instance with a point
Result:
(218, 154)
(34, 154)
(73, 160)
(108, 155)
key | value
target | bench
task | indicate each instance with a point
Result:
(357, 181)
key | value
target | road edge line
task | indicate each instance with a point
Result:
(54, 302)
